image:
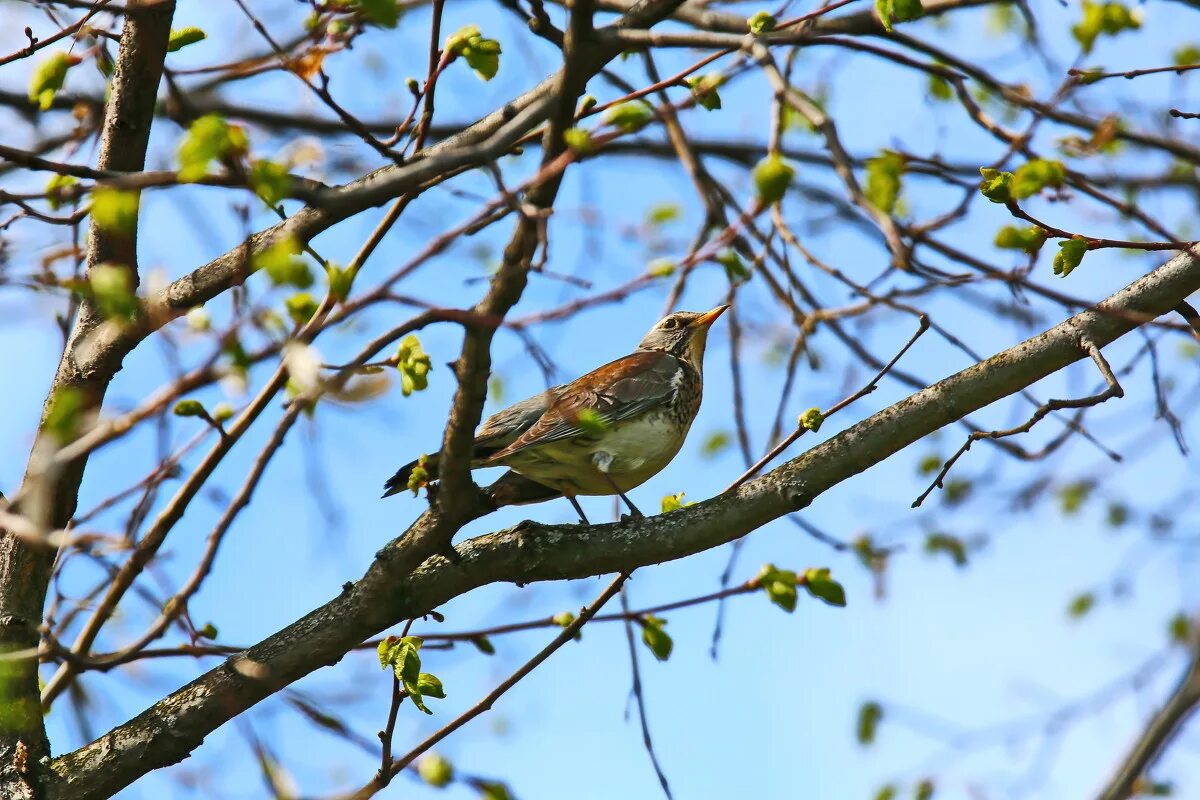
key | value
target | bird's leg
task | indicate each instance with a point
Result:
(578, 509)
(603, 462)
(632, 508)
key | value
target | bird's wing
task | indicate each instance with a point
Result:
(497, 432)
(617, 391)
(502, 428)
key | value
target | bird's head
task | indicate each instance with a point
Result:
(682, 334)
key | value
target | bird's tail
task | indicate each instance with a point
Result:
(399, 482)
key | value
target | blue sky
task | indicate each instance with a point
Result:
(947, 651)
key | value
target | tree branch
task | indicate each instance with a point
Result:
(389, 592)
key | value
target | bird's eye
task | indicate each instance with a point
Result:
(670, 323)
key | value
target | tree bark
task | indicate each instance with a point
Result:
(391, 591)
(49, 496)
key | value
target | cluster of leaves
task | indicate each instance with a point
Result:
(402, 655)
(480, 53)
(655, 638)
(1108, 18)
(283, 265)
(414, 364)
(210, 138)
(1029, 179)
(762, 22)
(780, 586)
(1069, 255)
(704, 89)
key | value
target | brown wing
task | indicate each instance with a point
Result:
(617, 391)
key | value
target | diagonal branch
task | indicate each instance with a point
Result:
(392, 591)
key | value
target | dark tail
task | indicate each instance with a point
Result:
(399, 482)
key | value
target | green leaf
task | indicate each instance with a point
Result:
(662, 213)
(188, 408)
(182, 37)
(923, 790)
(481, 55)
(564, 619)
(1036, 175)
(64, 414)
(1108, 18)
(821, 586)
(780, 586)
(1080, 605)
(673, 502)
(283, 265)
(493, 790)
(56, 189)
(430, 686)
(115, 210)
(811, 420)
(1072, 496)
(654, 637)
(414, 364)
(714, 443)
(762, 22)
(1028, 239)
(869, 716)
(208, 139)
(940, 88)
(270, 181)
(301, 307)
(929, 464)
(419, 476)
(660, 268)
(892, 12)
(886, 792)
(111, 290)
(48, 77)
(704, 89)
(484, 645)
(590, 422)
(735, 269)
(579, 140)
(1069, 256)
(884, 180)
(629, 117)
(222, 412)
(772, 176)
(209, 631)
(340, 282)
(435, 770)
(952, 546)
(384, 13)
(956, 491)
(1180, 628)
(1186, 55)
(996, 186)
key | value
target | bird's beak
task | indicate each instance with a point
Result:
(709, 317)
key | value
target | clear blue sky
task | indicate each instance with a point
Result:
(948, 651)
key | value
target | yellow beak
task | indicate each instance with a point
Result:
(709, 317)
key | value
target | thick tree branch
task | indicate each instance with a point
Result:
(389, 591)
(49, 496)
(1156, 735)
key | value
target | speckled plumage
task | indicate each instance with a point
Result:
(611, 429)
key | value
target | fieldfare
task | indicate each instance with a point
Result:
(607, 432)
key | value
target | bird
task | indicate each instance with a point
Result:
(606, 432)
